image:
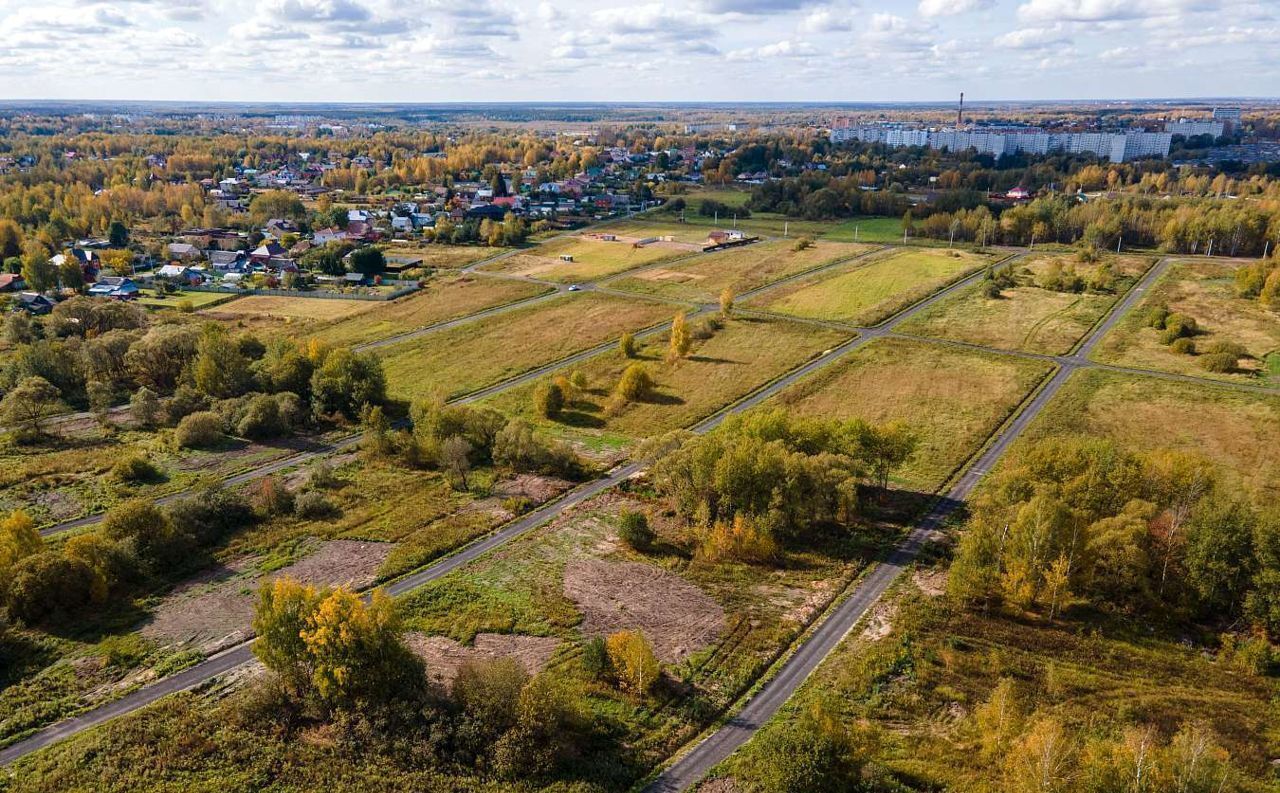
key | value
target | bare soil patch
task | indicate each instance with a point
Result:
(215, 610)
(534, 487)
(444, 656)
(676, 616)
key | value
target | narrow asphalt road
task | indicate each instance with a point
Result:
(234, 657)
(719, 745)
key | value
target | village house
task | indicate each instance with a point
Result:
(115, 288)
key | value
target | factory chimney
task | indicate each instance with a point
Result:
(960, 112)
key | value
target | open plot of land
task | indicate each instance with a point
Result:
(764, 224)
(953, 398)
(1026, 317)
(446, 256)
(867, 292)
(294, 314)
(743, 355)
(179, 301)
(1239, 431)
(917, 688)
(443, 298)
(471, 356)
(657, 225)
(1205, 290)
(737, 269)
(592, 257)
(716, 625)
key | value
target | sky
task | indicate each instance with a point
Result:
(668, 50)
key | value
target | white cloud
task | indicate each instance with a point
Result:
(947, 8)
(1032, 38)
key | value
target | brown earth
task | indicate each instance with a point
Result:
(215, 610)
(444, 656)
(676, 616)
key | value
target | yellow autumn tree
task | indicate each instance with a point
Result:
(18, 538)
(681, 338)
(634, 664)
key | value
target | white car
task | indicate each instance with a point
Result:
(574, 287)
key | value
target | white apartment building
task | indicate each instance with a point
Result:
(1118, 147)
(1191, 127)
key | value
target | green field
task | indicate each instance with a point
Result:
(1238, 430)
(953, 398)
(474, 355)
(869, 291)
(737, 269)
(870, 229)
(740, 357)
(1025, 317)
(1204, 289)
(592, 259)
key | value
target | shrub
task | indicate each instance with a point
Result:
(595, 658)
(1177, 326)
(1219, 362)
(134, 468)
(706, 328)
(1228, 347)
(634, 530)
(47, 585)
(142, 526)
(548, 400)
(634, 665)
(802, 244)
(145, 407)
(210, 513)
(271, 497)
(184, 402)
(635, 383)
(314, 506)
(991, 289)
(1183, 346)
(262, 418)
(198, 430)
(627, 344)
(1156, 315)
(739, 540)
(323, 476)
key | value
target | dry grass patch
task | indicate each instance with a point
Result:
(1205, 290)
(471, 356)
(295, 314)
(1238, 430)
(743, 355)
(592, 258)
(737, 269)
(444, 657)
(447, 256)
(867, 292)
(954, 398)
(1025, 317)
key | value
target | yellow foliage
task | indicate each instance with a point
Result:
(633, 661)
(741, 540)
(18, 538)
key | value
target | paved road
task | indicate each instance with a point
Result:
(717, 747)
(236, 656)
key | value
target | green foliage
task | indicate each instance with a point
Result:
(1219, 362)
(627, 345)
(548, 400)
(210, 513)
(634, 665)
(27, 405)
(634, 530)
(1183, 346)
(346, 382)
(314, 506)
(815, 753)
(367, 260)
(271, 497)
(199, 430)
(133, 469)
(145, 407)
(635, 384)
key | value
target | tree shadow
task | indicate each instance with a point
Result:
(710, 359)
(580, 418)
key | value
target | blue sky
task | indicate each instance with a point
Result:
(593, 50)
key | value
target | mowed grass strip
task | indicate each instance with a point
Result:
(867, 292)
(1238, 430)
(743, 355)
(738, 269)
(1205, 290)
(447, 256)
(592, 258)
(953, 398)
(478, 354)
(196, 300)
(293, 314)
(1026, 317)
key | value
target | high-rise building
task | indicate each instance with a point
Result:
(1190, 127)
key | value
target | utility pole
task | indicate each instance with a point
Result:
(1119, 241)
(855, 233)
(1032, 247)
(785, 227)
(1210, 251)
(1266, 247)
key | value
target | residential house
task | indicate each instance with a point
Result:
(34, 303)
(12, 282)
(228, 261)
(361, 231)
(181, 273)
(183, 251)
(326, 236)
(115, 288)
(266, 251)
(277, 227)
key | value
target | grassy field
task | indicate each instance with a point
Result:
(738, 269)
(914, 687)
(1205, 290)
(868, 229)
(867, 292)
(1025, 317)
(446, 256)
(953, 398)
(743, 355)
(179, 301)
(474, 355)
(1238, 430)
(592, 259)
(345, 322)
